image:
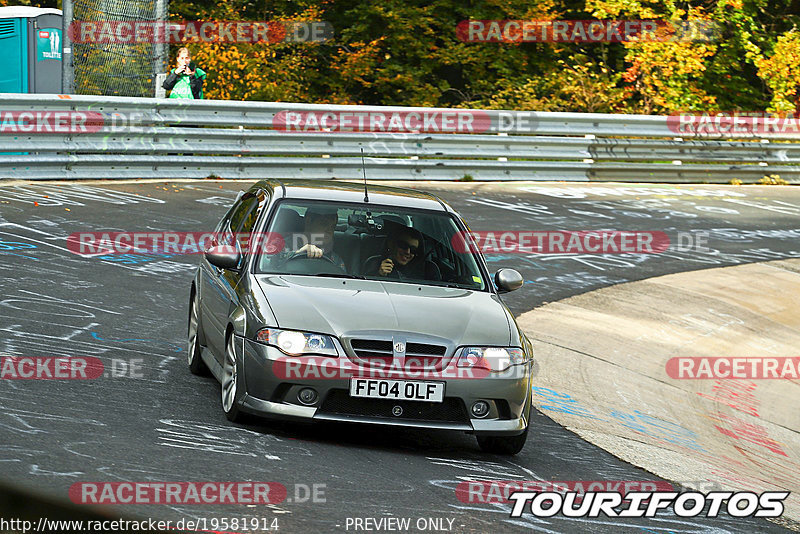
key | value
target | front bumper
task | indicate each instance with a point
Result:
(271, 390)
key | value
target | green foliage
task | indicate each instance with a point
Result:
(406, 52)
(575, 86)
(56, 4)
(781, 72)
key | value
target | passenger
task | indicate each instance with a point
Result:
(403, 258)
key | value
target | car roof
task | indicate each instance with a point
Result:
(353, 192)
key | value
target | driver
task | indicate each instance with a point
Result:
(319, 226)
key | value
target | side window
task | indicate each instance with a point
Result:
(243, 219)
(221, 232)
(244, 216)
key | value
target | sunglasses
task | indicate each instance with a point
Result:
(405, 245)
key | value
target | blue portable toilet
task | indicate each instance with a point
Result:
(30, 50)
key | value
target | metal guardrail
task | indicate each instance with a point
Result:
(171, 138)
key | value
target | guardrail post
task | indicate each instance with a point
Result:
(67, 65)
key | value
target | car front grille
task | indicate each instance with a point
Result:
(339, 402)
(423, 349)
(379, 352)
(372, 348)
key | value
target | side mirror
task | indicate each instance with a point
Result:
(223, 257)
(508, 280)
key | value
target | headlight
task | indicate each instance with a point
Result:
(296, 343)
(491, 358)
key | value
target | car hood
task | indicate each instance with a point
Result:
(346, 307)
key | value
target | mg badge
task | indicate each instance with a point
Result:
(400, 347)
(397, 411)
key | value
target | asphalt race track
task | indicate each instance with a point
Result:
(158, 422)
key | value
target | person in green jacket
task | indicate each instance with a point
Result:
(186, 80)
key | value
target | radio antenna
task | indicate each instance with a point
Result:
(364, 171)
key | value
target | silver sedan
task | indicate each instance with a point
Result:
(318, 302)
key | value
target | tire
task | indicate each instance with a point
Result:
(507, 445)
(503, 444)
(196, 364)
(230, 389)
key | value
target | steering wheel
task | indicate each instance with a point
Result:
(304, 256)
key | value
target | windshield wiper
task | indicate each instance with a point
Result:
(451, 284)
(432, 283)
(334, 275)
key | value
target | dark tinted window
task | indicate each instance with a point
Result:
(240, 221)
(420, 245)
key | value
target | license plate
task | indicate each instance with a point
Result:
(412, 390)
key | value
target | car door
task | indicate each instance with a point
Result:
(219, 285)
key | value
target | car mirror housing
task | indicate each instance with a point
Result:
(508, 280)
(223, 257)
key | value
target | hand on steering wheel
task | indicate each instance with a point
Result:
(303, 255)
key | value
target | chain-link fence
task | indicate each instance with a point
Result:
(113, 68)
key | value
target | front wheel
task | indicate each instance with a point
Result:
(231, 383)
(196, 364)
(503, 444)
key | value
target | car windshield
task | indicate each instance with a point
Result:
(376, 243)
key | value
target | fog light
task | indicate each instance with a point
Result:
(480, 409)
(307, 396)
